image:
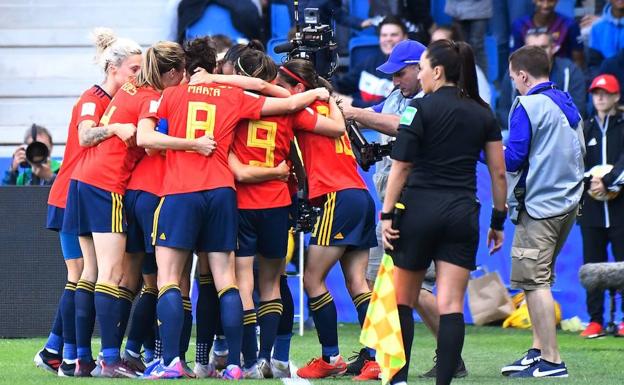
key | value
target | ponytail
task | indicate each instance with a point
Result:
(159, 59)
(457, 59)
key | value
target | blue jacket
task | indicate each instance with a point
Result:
(615, 66)
(607, 35)
(566, 76)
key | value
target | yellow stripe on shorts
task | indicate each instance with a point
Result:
(155, 223)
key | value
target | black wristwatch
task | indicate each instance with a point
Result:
(385, 216)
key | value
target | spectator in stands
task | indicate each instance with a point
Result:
(607, 35)
(473, 16)
(25, 173)
(416, 14)
(602, 222)
(504, 14)
(565, 31)
(452, 32)
(246, 17)
(615, 66)
(565, 74)
(363, 82)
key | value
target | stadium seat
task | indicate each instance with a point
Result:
(491, 52)
(280, 21)
(360, 47)
(278, 58)
(215, 20)
(437, 11)
(360, 8)
(566, 8)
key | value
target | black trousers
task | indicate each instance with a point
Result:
(595, 243)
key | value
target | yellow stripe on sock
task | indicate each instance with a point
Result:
(277, 308)
(86, 286)
(70, 286)
(222, 291)
(149, 290)
(107, 289)
(167, 287)
(361, 298)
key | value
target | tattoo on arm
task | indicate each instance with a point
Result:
(94, 135)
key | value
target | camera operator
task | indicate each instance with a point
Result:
(31, 172)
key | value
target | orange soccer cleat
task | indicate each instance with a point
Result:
(317, 368)
(370, 371)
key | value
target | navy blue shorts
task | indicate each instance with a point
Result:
(346, 219)
(206, 221)
(264, 232)
(54, 219)
(70, 246)
(93, 210)
(149, 264)
(140, 207)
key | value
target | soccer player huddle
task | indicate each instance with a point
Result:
(165, 159)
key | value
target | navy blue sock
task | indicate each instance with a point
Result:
(85, 318)
(269, 314)
(170, 319)
(158, 348)
(406, 319)
(450, 344)
(281, 348)
(68, 314)
(126, 297)
(149, 342)
(232, 322)
(143, 316)
(187, 326)
(107, 311)
(207, 315)
(54, 343)
(250, 343)
(326, 320)
(361, 302)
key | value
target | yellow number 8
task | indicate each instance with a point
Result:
(193, 124)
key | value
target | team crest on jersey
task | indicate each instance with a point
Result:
(408, 115)
(87, 109)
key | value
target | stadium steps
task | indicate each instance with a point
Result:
(46, 57)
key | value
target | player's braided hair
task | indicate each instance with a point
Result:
(159, 59)
(112, 50)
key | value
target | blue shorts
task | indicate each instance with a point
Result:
(140, 207)
(70, 246)
(346, 219)
(93, 210)
(54, 219)
(264, 232)
(205, 221)
(149, 264)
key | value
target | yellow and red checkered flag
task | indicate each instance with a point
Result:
(382, 329)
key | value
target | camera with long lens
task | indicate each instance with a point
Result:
(314, 42)
(366, 154)
(36, 152)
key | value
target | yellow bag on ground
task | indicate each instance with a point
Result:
(520, 319)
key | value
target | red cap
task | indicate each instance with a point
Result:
(605, 82)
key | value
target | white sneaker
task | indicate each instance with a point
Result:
(253, 373)
(280, 369)
(265, 368)
(204, 371)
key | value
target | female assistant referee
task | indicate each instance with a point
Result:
(433, 176)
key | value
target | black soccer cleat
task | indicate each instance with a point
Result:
(356, 362)
(47, 360)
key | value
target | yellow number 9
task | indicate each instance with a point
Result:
(268, 144)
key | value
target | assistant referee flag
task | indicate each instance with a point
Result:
(382, 329)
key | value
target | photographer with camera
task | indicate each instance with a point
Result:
(32, 165)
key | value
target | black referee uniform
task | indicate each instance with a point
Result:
(442, 135)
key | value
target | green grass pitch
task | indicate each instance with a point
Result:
(486, 349)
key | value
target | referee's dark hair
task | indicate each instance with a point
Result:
(200, 53)
(532, 60)
(457, 59)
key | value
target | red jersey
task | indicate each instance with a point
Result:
(266, 143)
(90, 106)
(329, 162)
(194, 111)
(148, 175)
(109, 164)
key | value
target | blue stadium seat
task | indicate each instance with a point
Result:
(215, 20)
(491, 52)
(360, 8)
(361, 47)
(566, 8)
(277, 58)
(437, 11)
(280, 21)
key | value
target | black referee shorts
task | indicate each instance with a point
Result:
(438, 225)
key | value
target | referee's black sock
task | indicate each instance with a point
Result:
(406, 318)
(450, 344)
